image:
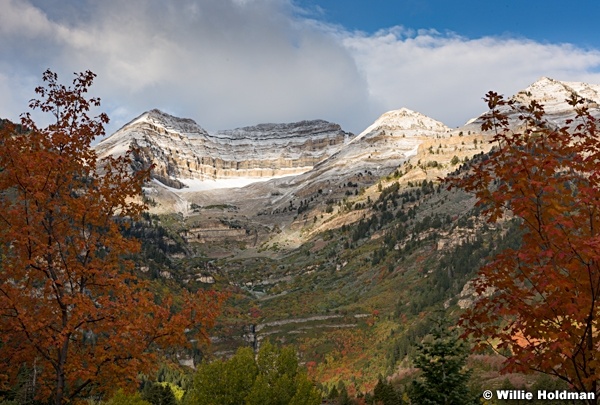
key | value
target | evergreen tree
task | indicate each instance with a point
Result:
(441, 358)
(333, 394)
(343, 397)
(385, 394)
(159, 394)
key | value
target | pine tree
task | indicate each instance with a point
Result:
(441, 358)
(159, 394)
(385, 394)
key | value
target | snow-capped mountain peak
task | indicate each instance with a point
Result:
(168, 122)
(405, 118)
(553, 95)
(404, 122)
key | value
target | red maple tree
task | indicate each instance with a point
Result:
(538, 304)
(71, 309)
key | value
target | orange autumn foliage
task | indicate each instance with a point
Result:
(539, 303)
(71, 310)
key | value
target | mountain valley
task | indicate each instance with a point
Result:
(342, 245)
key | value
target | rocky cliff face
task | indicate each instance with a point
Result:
(180, 149)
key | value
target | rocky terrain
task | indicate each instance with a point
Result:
(184, 154)
(286, 204)
(281, 184)
(190, 159)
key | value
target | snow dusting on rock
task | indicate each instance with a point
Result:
(182, 151)
(553, 95)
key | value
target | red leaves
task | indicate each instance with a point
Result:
(69, 303)
(544, 308)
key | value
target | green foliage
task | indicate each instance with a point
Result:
(24, 389)
(158, 244)
(340, 395)
(174, 377)
(220, 207)
(280, 381)
(362, 228)
(224, 382)
(121, 398)
(273, 378)
(442, 361)
(306, 393)
(175, 389)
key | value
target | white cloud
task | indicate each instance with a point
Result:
(224, 63)
(445, 76)
(21, 19)
(228, 63)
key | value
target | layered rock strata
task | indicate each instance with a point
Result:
(181, 149)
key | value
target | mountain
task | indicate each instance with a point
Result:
(387, 142)
(183, 153)
(403, 122)
(195, 167)
(552, 94)
(391, 140)
(272, 168)
(239, 201)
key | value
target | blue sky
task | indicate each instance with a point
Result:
(231, 63)
(545, 21)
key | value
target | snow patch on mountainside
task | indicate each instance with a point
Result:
(195, 185)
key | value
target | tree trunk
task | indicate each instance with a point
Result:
(60, 372)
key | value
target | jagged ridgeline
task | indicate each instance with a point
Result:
(340, 244)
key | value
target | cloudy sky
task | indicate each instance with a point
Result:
(230, 63)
